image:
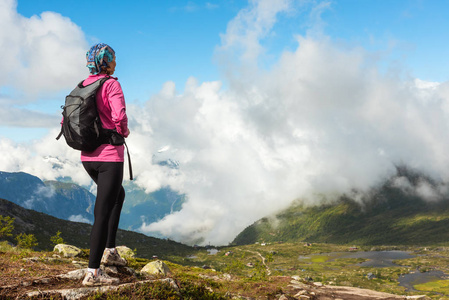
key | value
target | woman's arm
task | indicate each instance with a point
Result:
(117, 104)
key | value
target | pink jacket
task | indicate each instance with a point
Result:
(112, 110)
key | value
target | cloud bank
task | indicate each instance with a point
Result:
(321, 120)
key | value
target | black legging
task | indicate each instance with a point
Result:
(110, 196)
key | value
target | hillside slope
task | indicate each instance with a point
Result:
(44, 226)
(387, 215)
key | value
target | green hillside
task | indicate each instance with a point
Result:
(43, 227)
(385, 216)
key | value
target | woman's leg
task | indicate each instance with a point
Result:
(115, 218)
(109, 177)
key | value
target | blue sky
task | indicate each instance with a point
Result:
(173, 40)
(155, 41)
(160, 41)
(415, 29)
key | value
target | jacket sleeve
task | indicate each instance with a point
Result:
(118, 107)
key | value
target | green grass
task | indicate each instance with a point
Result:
(396, 219)
(439, 286)
(6, 247)
(320, 258)
(162, 290)
(319, 267)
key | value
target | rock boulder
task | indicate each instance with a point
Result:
(125, 252)
(67, 250)
(156, 268)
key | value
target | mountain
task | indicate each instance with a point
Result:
(141, 207)
(394, 213)
(66, 200)
(43, 226)
(60, 199)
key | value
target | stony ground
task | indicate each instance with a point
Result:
(41, 276)
(22, 273)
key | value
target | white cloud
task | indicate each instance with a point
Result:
(422, 188)
(41, 56)
(78, 218)
(426, 191)
(20, 117)
(244, 32)
(29, 203)
(46, 158)
(211, 6)
(322, 120)
(402, 182)
(45, 191)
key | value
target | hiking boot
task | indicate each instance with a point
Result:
(112, 258)
(100, 279)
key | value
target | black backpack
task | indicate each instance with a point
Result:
(81, 124)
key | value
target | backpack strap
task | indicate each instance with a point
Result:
(59, 135)
(129, 163)
(101, 80)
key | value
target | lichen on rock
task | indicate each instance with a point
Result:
(67, 250)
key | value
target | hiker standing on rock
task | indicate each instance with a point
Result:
(105, 166)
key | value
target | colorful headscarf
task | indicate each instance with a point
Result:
(99, 55)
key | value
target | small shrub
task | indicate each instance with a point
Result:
(6, 247)
(26, 241)
(259, 272)
(233, 267)
(6, 226)
(57, 239)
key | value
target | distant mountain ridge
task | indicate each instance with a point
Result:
(141, 207)
(72, 202)
(60, 199)
(387, 215)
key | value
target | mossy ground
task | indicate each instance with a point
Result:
(253, 270)
(282, 259)
(439, 286)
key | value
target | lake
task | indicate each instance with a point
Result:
(377, 259)
(411, 279)
(381, 259)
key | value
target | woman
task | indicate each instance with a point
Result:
(105, 166)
